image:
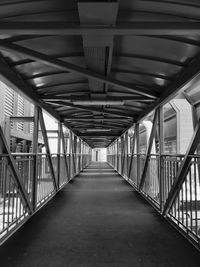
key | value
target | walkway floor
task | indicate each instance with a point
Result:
(97, 220)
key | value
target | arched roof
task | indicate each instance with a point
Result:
(99, 65)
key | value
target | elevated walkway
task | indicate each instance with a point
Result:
(97, 220)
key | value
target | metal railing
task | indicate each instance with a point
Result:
(36, 178)
(160, 176)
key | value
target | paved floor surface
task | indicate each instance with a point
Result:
(97, 220)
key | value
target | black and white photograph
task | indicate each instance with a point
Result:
(99, 133)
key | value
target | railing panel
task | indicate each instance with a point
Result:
(186, 210)
(12, 210)
(45, 187)
(171, 164)
(63, 171)
(133, 170)
(25, 165)
(151, 186)
(141, 159)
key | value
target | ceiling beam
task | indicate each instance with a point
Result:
(118, 119)
(84, 125)
(100, 134)
(97, 122)
(182, 82)
(94, 109)
(98, 98)
(136, 28)
(59, 64)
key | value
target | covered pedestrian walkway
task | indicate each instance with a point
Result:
(105, 80)
(92, 222)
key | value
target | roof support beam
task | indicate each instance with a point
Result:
(118, 119)
(95, 109)
(99, 134)
(98, 98)
(137, 28)
(97, 123)
(189, 74)
(59, 64)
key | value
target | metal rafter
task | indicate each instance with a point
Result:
(86, 97)
(56, 63)
(117, 113)
(175, 28)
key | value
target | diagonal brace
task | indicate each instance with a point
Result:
(46, 142)
(132, 153)
(64, 151)
(183, 170)
(15, 172)
(59, 64)
(153, 130)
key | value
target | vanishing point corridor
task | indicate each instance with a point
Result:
(98, 219)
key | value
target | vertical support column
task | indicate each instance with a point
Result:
(35, 161)
(75, 154)
(126, 154)
(137, 136)
(81, 154)
(58, 152)
(132, 154)
(70, 155)
(115, 155)
(122, 154)
(118, 154)
(161, 151)
(65, 152)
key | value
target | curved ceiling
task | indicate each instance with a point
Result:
(99, 66)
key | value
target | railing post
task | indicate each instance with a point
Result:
(132, 154)
(137, 136)
(58, 152)
(70, 156)
(161, 151)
